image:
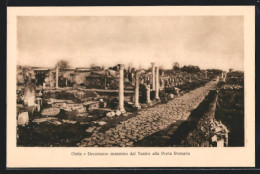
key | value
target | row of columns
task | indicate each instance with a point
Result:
(155, 87)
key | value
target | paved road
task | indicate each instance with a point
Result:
(149, 121)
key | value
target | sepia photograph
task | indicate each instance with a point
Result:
(130, 81)
(139, 81)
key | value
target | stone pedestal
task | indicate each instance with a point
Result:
(121, 89)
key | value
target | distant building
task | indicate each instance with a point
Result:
(79, 75)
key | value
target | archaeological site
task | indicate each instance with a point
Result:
(127, 107)
(130, 81)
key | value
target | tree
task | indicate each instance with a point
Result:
(62, 64)
(175, 66)
(191, 69)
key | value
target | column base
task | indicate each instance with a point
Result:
(138, 107)
(157, 99)
(149, 103)
(122, 110)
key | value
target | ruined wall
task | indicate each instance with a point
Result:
(80, 77)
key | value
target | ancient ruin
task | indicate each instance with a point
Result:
(122, 107)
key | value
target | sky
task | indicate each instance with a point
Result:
(204, 41)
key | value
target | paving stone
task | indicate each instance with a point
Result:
(154, 119)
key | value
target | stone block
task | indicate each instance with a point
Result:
(23, 118)
(110, 114)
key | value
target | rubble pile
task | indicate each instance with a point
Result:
(232, 86)
(218, 134)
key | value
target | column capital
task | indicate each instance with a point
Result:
(121, 66)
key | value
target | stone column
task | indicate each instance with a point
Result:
(153, 78)
(157, 85)
(137, 74)
(51, 79)
(121, 89)
(224, 78)
(39, 103)
(148, 91)
(57, 77)
(206, 74)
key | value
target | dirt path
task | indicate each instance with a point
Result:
(150, 121)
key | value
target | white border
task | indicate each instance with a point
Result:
(200, 157)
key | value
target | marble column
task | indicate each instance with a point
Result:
(57, 77)
(157, 84)
(153, 77)
(137, 75)
(148, 97)
(121, 89)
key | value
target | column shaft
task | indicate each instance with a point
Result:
(153, 78)
(157, 84)
(148, 98)
(57, 77)
(121, 89)
(137, 89)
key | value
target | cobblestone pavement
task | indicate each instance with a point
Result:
(149, 121)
